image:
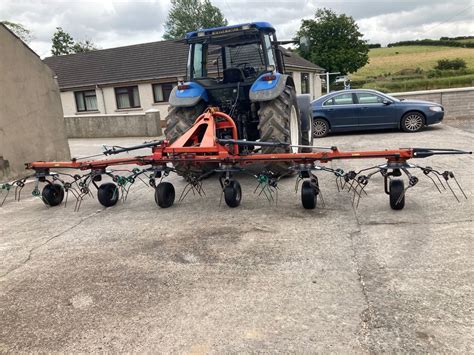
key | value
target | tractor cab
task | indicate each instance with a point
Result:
(233, 54)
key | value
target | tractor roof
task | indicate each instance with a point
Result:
(264, 26)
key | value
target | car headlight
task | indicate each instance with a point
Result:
(436, 108)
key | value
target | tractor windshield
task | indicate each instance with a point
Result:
(214, 55)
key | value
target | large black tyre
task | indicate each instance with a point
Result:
(280, 122)
(108, 194)
(306, 117)
(396, 190)
(53, 194)
(412, 122)
(178, 121)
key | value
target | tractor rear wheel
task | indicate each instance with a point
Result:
(178, 121)
(280, 121)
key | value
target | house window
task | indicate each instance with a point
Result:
(127, 97)
(304, 83)
(161, 92)
(86, 100)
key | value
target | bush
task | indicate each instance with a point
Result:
(374, 45)
(431, 42)
(455, 64)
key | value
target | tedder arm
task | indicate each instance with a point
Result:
(200, 145)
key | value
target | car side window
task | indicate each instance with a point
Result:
(342, 99)
(367, 98)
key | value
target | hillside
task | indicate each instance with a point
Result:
(404, 68)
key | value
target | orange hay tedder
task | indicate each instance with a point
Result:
(199, 152)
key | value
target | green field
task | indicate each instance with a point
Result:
(393, 60)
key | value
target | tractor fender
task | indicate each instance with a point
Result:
(189, 95)
(266, 90)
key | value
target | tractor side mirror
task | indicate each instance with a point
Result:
(304, 43)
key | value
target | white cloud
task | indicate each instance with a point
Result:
(116, 23)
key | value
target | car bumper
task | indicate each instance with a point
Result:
(434, 117)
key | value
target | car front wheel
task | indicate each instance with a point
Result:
(320, 128)
(412, 122)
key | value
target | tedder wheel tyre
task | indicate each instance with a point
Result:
(233, 194)
(53, 194)
(280, 122)
(164, 194)
(320, 128)
(108, 194)
(396, 190)
(413, 122)
(178, 121)
(309, 197)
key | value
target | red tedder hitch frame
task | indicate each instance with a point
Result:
(201, 146)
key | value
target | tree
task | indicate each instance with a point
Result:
(63, 43)
(190, 15)
(335, 42)
(21, 31)
(84, 46)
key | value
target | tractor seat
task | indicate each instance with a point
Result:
(233, 75)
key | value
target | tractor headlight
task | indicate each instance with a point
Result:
(436, 108)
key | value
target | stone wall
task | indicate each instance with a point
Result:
(31, 116)
(105, 126)
(458, 103)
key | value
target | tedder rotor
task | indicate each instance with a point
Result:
(201, 145)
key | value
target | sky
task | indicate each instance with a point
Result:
(119, 23)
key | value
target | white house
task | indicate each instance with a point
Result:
(135, 78)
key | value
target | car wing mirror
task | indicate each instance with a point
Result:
(386, 102)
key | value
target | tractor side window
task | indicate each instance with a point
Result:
(198, 68)
(269, 50)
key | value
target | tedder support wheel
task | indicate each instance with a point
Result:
(309, 197)
(280, 121)
(53, 194)
(397, 189)
(233, 194)
(164, 194)
(108, 194)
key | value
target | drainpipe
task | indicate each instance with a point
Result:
(103, 98)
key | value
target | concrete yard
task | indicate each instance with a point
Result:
(204, 278)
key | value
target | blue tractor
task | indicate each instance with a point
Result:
(240, 69)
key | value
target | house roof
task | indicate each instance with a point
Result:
(140, 62)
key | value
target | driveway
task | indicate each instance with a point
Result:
(204, 278)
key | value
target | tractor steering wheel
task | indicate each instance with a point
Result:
(247, 69)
